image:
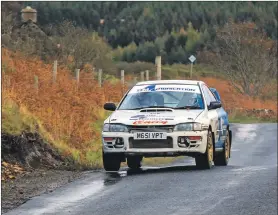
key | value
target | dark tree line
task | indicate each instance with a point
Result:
(145, 29)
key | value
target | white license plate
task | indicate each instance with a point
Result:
(150, 135)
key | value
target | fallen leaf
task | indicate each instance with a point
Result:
(5, 164)
(11, 176)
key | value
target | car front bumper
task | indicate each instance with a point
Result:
(123, 142)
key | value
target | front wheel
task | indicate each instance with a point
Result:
(222, 158)
(204, 161)
(111, 162)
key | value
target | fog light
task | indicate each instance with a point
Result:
(183, 141)
(119, 143)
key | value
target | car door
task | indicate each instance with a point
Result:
(212, 114)
(222, 114)
(223, 119)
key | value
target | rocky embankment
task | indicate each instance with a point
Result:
(31, 167)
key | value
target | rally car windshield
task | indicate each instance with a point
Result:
(163, 96)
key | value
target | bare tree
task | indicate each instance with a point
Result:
(82, 45)
(246, 56)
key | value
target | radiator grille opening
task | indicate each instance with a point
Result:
(150, 144)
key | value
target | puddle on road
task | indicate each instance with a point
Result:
(246, 132)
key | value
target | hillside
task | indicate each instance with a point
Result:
(141, 30)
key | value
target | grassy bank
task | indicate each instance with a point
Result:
(240, 118)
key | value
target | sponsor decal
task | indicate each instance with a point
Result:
(137, 117)
(151, 117)
(183, 89)
(149, 122)
(152, 88)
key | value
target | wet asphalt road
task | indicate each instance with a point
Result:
(248, 185)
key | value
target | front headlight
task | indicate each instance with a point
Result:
(114, 128)
(189, 127)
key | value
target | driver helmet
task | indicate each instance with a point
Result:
(193, 100)
(145, 99)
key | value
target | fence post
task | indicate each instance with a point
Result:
(100, 77)
(147, 75)
(36, 79)
(135, 80)
(77, 75)
(93, 73)
(54, 72)
(142, 76)
(158, 67)
(122, 77)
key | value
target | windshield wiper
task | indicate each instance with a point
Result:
(132, 108)
(188, 107)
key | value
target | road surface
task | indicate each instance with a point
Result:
(248, 185)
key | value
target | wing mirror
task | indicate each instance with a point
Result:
(214, 105)
(109, 106)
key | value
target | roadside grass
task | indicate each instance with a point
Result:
(240, 118)
(174, 71)
(183, 71)
(17, 119)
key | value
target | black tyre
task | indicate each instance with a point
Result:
(134, 162)
(111, 162)
(204, 161)
(222, 158)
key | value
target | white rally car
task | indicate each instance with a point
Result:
(167, 118)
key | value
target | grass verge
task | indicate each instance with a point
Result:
(240, 118)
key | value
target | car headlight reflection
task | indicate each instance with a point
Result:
(189, 127)
(114, 128)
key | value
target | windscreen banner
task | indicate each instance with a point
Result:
(166, 87)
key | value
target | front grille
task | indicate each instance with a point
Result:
(152, 128)
(150, 144)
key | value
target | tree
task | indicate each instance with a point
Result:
(84, 46)
(170, 43)
(193, 37)
(246, 55)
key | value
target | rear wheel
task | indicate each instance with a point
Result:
(134, 162)
(111, 162)
(222, 158)
(204, 161)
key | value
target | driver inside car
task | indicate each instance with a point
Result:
(146, 100)
(190, 99)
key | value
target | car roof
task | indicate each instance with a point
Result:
(194, 82)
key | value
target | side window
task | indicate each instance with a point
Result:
(208, 95)
(212, 96)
